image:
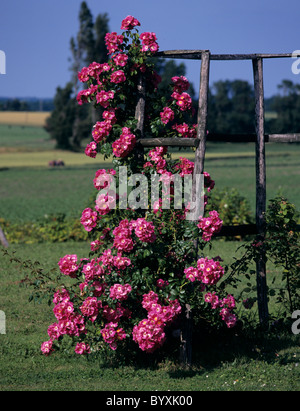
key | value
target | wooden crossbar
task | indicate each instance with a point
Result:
(197, 55)
(218, 137)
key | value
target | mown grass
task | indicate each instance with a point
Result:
(32, 189)
(29, 189)
(233, 363)
(25, 153)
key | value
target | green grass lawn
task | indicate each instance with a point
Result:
(21, 138)
(29, 190)
(220, 365)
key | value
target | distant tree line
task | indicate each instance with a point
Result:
(231, 108)
(27, 104)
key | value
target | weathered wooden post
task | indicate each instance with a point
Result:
(140, 116)
(262, 297)
(187, 331)
(3, 239)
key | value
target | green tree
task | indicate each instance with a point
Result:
(231, 107)
(86, 47)
(60, 124)
(82, 49)
(286, 105)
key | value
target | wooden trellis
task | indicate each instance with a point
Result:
(259, 138)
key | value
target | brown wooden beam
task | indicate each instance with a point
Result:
(197, 55)
(261, 279)
(169, 141)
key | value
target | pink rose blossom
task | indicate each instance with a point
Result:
(129, 22)
(89, 219)
(183, 100)
(144, 230)
(90, 308)
(167, 115)
(91, 149)
(68, 265)
(105, 202)
(125, 144)
(210, 225)
(103, 178)
(181, 84)
(120, 292)
(111, 334)
(46, 347)
(120, 59)
(118, 77)
(101, 130)
(82, 348)
(113, 41)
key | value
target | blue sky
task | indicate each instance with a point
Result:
(35, 36)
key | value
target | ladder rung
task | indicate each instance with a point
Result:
(169, 141)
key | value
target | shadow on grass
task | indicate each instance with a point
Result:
(211, 350)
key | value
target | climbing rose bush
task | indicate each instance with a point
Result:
(143, 266)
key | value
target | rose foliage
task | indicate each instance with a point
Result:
(143, 265)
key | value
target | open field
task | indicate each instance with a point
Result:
(30, 189)
(23, 118)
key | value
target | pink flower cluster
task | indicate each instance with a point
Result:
(116, 313)
(105, 202)
(120, 59)
(123, 240)
(101, 130)
(69, 323)
(120, 292)
(92, 71)
(82, 348)
(110, 115)
(185, 166)
(208, 271)
(185, 130)
(68, 265)
(156, 156)
(89, 219)
(149, 42)
(118, 76)
(104, 97)
(113, 41)
(111, 334)
(121, 262)
(144, 230)
(209, 183)
(86, 95)
(129, 23)
(226, 305)
(125, 144)
(149, 333)
(103, 178)
(91, 149)
(167, 115)
(183, 100)
(47, 348)
(181, 84)
(91, 270)
(210, 225)
(90, 308)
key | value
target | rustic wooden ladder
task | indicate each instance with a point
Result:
(259, 138)
(199, 143)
